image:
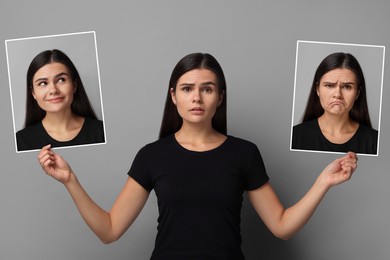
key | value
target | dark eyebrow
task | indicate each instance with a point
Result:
(208, 83)
(186, 84)
(343, 83)
(202, 84)
(56, 76)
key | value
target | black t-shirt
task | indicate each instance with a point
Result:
(308, 136)
(35, 136)
(199, 195)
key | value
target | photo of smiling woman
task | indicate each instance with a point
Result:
(58, 111)
(336, 117)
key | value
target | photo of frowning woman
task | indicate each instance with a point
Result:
(336, 118)
(58, 111)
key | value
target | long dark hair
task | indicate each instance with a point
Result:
(338, 60)
(172, 121)
(80, 105)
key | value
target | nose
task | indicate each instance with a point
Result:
(53, 88)
(197, 97)
(337, 91)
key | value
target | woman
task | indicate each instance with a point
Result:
(336, 118)
(58, 111)
(199, 175)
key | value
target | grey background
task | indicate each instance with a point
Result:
(79, 47)
(310, 54)
(139, 42)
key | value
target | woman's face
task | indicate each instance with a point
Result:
(197, 96)
(53, 87)
(338, 91)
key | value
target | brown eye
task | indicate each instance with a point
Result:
(207, 90)
(186, 89)
(347, 87)
(60, 80)
(42, 84)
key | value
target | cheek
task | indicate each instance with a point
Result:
(37, 95)
(321, 97)
(326, 94)
(352, 99)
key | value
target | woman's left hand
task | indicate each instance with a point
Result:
(340, 170)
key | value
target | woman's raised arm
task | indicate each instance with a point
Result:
(284, 223)
(108, 226)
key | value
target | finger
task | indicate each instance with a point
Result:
(349, 161)
(348, 171)
(47, 160)
(347, 168)
(44, 156)
(351, 166)
(47, 163)
(46, 147)
(352, 155)
(347, 176)
(44, 152)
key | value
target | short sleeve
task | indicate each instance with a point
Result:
(256, 175)
(140, 171)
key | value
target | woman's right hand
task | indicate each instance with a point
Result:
(54, 165)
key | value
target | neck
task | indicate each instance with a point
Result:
(336, 123)
(59, 120)
(199, 138)
(196, 132)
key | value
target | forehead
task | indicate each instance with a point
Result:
(50, 70)
(197, 76)
(343, 75)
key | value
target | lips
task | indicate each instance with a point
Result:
(337, 103)
(197, 109)
(55, 100)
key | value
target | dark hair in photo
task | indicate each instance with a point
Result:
(339, 60)
(80, 105)
(172, 122)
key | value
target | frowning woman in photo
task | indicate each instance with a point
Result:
(336, 117)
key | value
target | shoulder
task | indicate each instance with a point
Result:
(93, 122)
(93, 127)
(307, 125)
(239, 142)
(306, 128)
(31, 137)
(367, 131)
(160, 145)
(241, 147)
(30, 130)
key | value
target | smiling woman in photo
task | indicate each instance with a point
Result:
(58, 111)
(336, 117)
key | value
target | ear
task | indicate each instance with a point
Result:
(357, 95)
(173, 96)
(317, 85)
(221, 97)
(74, 87)
(32, 93)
